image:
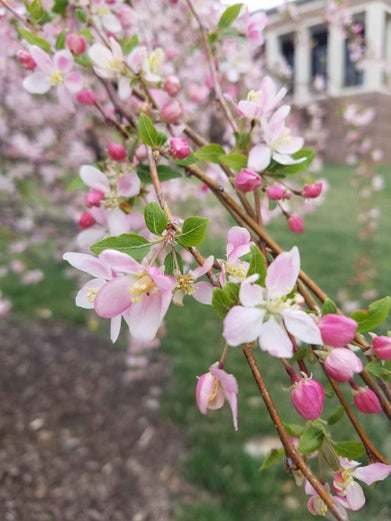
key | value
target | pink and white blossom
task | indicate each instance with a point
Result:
(202, 291)
(269, 313)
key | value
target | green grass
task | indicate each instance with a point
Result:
(216, 462)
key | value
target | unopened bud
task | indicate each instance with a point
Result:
(86, 221)
(275, 192)
(312, 191)
(172, 85)
(382, 347)
(26, 60)
(307, 396)
(295, 223)
(179, 147)
(366, 400)
(117, 151)
(247, 180)
(141, 152)
(341, 364)
(337, 330)
(86, 97)
(171, 111)
(76, 43)
(125, 15)
(94, 198)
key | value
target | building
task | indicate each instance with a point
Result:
(320, 53)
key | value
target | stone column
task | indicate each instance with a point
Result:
(302, 65)
(272, 51)
(335, 60)
(374, 37)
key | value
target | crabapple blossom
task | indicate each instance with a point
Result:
(295, 223)
(117, 151)
(381, 345)
(186, 285)
(56, 72)
(275, 192)
(350, 493)
(366, 400)
(341, 364)
(307, 396)
(337, 330)
(238, 244)
(247, 180)
(86, 220)
(312, 191)
(76, 43)
(317, 506)
(172, 85)
(179, 147)
(213, 388)
(269, 313)
(171, 111)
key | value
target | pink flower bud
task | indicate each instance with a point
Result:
(86, 221)
(307, 396)
(76, 43)
(179, 147)
(295, 223)
(172, 86)
(337, 330)
(312, 191)
(171, 111)
(275, 192)
(141, 152)
(117, 151)
(341, 364)
(382, 347)
(86, 97)
(26, 60)
(247, 180)
(125, 15)
(94, 198)
(366, 400)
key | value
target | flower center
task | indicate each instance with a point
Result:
(213, 394)
(56, 78)
(238, 271)
(185, 283)
(254, 96)
(91, 294)
(144, 285)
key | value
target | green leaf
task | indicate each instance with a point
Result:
(170, 266)
(274, 456)
(189, 160)
(369, 319)
(81, 15)
(87, 34)
(329, 306)
(37, 12)
(229, 16)
(76, 184)
(165, 173)
(310, 440)
(60, 7)
(155, 218)
(33, 39)
(129, 44)
(211, 153)
(377, 368)
(147, 131)
(294, 429)
(352, 450)
(336, 416)
(60, 40)
(243, 140)
(130, 243)
(257, 265)
(193, 231)
(224, 299)
(300, 354)
(234, 161)
(83, 60)
(306, 154)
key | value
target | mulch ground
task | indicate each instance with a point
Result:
(81, 435)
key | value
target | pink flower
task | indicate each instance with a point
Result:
(247, 180)
(238, 244)
(295, 223)
(171, 111)
(341, 364)
(213, 388)
(366, 400)
(312, 191)
(172, 85)
(337, 330)
(56, 72)
(94, 198)
(179, 147)
(86, 220)
(349, 492)
(256, 24)
(275, 192)
(117, 151)
(25, 59)
(76, 43)
(86, 97)
(382, 347)
(317, 506)
(202, 291)
(307, 396)
(127, 185)
(268, 313)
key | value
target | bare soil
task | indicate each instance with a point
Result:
(82, 437)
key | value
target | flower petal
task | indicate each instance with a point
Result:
(145, 317)
(242, 325)
(115, 327)
(86, 295)
(302, 326)
(114, 297)
(73, 82)
(63, 61)
(274, 339)
(204, 389)
(259, 158)
(373, 472)
(203, 292)
(37, 83)
(94, 178)
(283, 272)
(88, 263)
(250, 293)
(128, 185)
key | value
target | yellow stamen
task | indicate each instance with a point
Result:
(56, 78)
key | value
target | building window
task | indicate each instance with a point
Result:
(287, 51)
(354, 51)
(319, 37)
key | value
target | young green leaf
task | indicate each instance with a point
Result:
(352, 450)
(229, 16)
(60, 7)
(130, 243)
(190, 159)
(33, 39)
(165, 173)
(234, 161)
(155, 218)
(170, 265)
(60, 40)
(329, 307)
(274, 456)
(257, 265)
(81, 15)
(336, 416)
(147, 131)
(37, 12)
(369, 319)
(193, 231)
(129, 44)
(211, 153)
(294, 429)
(310, 440)
(306, 155)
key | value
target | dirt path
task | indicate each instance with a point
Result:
(81, 437)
